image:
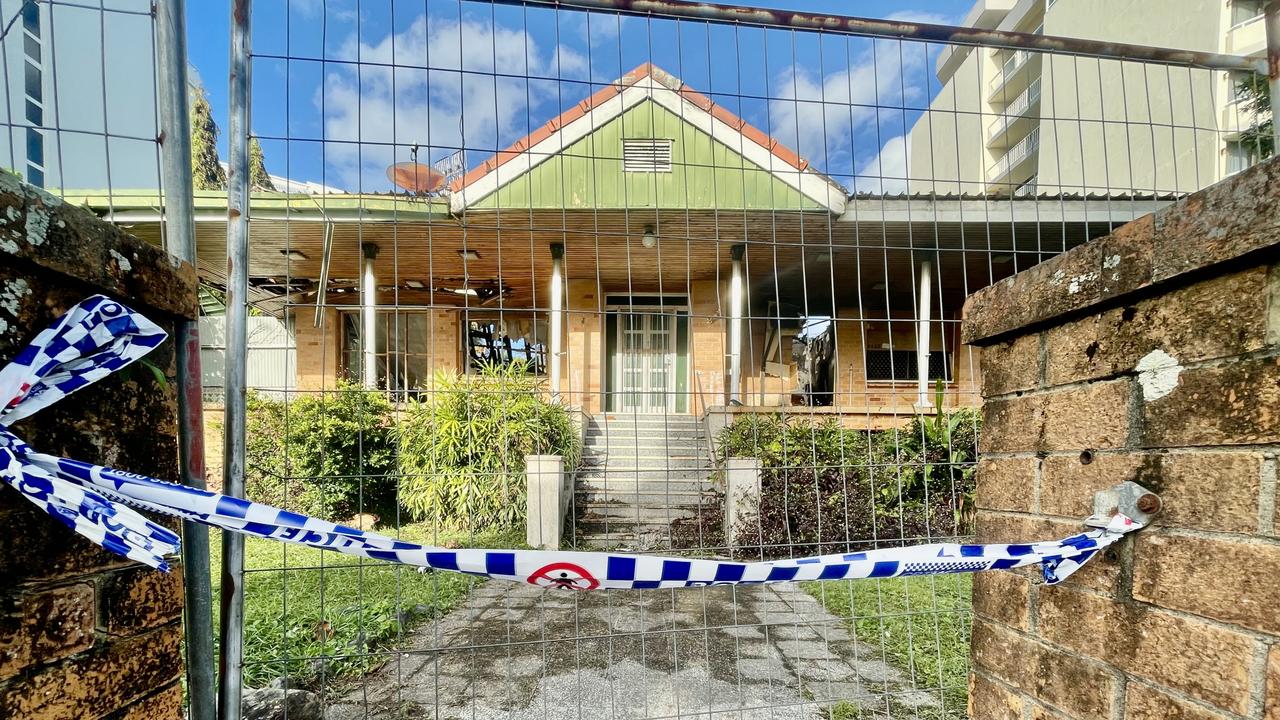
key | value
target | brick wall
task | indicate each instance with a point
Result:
(1153, 355)
(85, 633)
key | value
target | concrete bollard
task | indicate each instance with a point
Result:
(742, 494)
(547, 500)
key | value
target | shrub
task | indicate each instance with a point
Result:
(825, 488)
(329, 454)
(463, 448)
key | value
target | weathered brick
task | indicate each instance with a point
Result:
(990, 700)
(1271, 697)
(1126, 257)
(1011, 366)
(1206, 491)
(1219, 317)
(1006, 484)
(1093, 416)
(1068, 482)
(1040, 712)
(1167, 649)
(1233, 404)
(1002, 596)
(139, 598)
(1101, 573)
(1239, 585)
(93, 684)
(1010, 425)
(1062, 284)
(1144, 702)
(164, 705)
(48, 626)
(1220, 223)
(1059, 678)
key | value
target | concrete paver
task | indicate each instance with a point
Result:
(518, 652)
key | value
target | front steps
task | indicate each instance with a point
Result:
(638, 474)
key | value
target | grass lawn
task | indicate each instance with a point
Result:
(319, 615)
(923, 624)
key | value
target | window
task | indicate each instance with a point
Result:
(505, 339)
(646, 155)
(900, 366)
(402, 349)
(1240, 155)
(1242, 11)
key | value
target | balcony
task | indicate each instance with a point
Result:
(1013, 76)
(1000, 172)
(1013, 115)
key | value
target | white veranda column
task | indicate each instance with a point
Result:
(557, 318)
(922, 334)
(737, 292)
(368, 316)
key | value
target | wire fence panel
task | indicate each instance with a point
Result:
(527, 275)
(716, 269)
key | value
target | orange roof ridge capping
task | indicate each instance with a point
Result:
(647, 69)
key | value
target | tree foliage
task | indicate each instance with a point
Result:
(826, 489)
(206, 171)
(258, 177)
(1255, 95)
(462, 450)
(328, 454)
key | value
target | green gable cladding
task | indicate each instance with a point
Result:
(705, 174)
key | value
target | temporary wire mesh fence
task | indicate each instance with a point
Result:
(533, 275)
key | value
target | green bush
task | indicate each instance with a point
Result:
(328, 454)
(825, 488)
(463, 448)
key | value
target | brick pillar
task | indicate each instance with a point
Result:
(1153, 355)
(85, 633)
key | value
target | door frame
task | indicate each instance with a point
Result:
(674, 303)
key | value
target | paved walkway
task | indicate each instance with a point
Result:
(516, 652)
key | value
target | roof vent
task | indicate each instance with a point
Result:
(646, 155)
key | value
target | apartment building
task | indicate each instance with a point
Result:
(1014, 122)
(80, 111)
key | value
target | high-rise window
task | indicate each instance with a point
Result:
(1240, 155)
(33, 82)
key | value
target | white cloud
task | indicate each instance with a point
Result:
(888, 171)
(475, 94)
(825, 118)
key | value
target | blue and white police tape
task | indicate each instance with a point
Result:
(99, 336)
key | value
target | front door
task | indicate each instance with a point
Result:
(645, 363)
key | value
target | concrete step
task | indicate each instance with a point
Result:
(631, 514)
(637, 436)
(651, 462)
(658, 498)
(638, 474)
(628, 485)
(647, 535)
(656, 438)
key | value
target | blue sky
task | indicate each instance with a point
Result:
(342, 88)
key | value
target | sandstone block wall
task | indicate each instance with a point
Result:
(1153, 355)
(85, 633)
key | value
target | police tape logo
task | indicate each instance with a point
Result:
(564, 576)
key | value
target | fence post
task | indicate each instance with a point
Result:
(742, 494)
(545, 501)
(231, 660)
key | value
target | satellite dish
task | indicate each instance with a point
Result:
(415, 177)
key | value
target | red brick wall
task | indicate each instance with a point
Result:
(85, 633)
(1183, 619)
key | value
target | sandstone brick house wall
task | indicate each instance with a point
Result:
(83, 632)
(1153, 355)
